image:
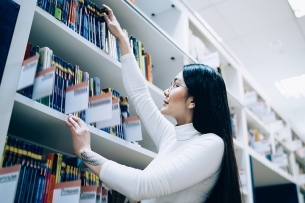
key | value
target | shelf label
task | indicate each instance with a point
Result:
(8, 183)
(88, 194)
(99, 108)
(77, 97)
(116, 116)
(28, 72)
(132, 129)
(44, 83)
(67, 192)
(242, 177)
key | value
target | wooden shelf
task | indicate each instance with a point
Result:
(266, 173)
(40, 124)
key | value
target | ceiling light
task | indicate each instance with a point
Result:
(298, 7)
(292, 87)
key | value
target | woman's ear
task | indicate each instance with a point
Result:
(191, 103)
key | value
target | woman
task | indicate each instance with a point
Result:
(195, 161)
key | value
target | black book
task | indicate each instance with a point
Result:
(11, 152)
(34, 185)
(23, 174)
(30, 176)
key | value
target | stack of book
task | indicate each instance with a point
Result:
(197, 48)
(142, 57)
(39, 173)
(67, 75)
(87, 19)
(259, 142)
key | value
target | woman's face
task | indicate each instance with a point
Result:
(176, 103)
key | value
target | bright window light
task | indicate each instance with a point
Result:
(292, 87)
(298, 7)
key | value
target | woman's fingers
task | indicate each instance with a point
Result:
(110, 13)
(79, 121)
(70, 126)
(108, 21)
(75, 124)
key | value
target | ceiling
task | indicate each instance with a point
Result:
(268, 39)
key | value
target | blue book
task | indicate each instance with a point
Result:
(97, 86)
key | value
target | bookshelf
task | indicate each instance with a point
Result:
(46, 127)
(34, 122)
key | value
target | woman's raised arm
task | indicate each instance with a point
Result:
(158, 127)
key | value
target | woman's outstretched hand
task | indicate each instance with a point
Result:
(80, 134)
(113, 25)
(115, 29)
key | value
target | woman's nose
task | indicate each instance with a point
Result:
(166, 92)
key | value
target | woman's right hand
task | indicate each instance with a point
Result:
(113, 25)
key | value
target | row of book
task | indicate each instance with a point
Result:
(67, 75)
(40, 172)
(87, 19)
(197, 48)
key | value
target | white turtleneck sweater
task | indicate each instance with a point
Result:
(187, 165)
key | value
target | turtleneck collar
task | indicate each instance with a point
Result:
(186, 132)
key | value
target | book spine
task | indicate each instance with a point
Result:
(55, 95)
(97, 86)
(47, 182)
(58, 9)
(77, 16)
(49, 197)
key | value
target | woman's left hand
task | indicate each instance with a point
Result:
(80, 134)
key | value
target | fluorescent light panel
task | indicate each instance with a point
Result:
(292, 87)
(298, 7)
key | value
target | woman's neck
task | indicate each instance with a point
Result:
(183, 120)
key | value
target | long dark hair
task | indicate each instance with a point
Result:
(212, 115)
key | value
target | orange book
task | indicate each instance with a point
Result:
(51, 188)
(148, 67)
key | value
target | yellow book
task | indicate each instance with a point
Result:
(58, 168)
(6, 147)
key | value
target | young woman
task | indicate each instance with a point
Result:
(195, 161)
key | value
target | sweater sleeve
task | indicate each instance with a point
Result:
(158, 127)
(202, 158)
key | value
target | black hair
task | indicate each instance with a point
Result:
(212, 115)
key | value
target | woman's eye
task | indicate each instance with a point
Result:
(175, 85)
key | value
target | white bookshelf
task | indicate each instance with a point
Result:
(38, 123)
(32, 121)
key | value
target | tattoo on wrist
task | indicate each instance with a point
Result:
(91, 158)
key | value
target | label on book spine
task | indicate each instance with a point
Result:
(100, 108)
(44, 83)
(104, 196)
(132, 129)
(88, 194)
(28, 72)
(67, 192)
(8, 183)
(99, 195)
(116, 116)
(77, 97)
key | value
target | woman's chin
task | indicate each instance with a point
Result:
(163, 111)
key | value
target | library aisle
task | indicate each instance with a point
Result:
(58, 57)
